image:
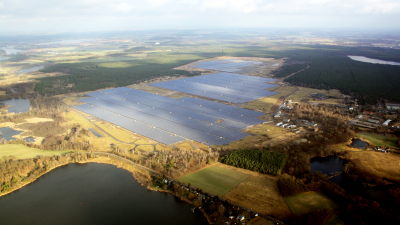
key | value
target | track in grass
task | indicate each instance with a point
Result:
(214, 180)
(307, 202)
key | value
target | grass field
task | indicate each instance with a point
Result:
(214, 179)
(385, 165)
(302, 93)
(379, 140)
(308, 202)
(258, 192)
(24, 152)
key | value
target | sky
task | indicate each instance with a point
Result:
(46, 16)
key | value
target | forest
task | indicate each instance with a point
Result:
(90, 76)
(256, 160)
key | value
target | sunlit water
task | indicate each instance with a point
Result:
(375, 61)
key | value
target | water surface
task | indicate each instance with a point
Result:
(375, 61)
(21, 71)
(3, 58)
(357, 143)
(93, 194)
(7, 133)
(11, 50)
(18, 105)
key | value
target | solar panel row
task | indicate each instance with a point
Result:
(228, 87)
(134, 126)
(174, 106)
(207, 110)
(156, 122)
(132, 108)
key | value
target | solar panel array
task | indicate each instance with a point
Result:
(168, 120)
(229, 87)
(227, 65)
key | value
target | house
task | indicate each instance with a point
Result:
(277, 114)
(392, 106)
(240, 217)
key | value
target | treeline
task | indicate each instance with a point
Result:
(174, 163)
(256, 160)
(18, 58)
(14, 173)
(89, 76)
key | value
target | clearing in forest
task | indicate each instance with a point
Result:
(24, 152)
(214, 180)
(310, 201)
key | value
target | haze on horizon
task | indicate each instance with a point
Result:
(48, 16)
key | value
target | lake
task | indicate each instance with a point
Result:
(18, 105)
(21, 71)
(73, 41)
(93, 193)
(11, 50)
(7, 133)
(3, 58)
(375, 61)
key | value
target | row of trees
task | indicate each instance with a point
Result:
(256, 160)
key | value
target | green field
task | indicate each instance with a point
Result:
(24, 152)
(379, 140)
(214, 180)
(308, 202)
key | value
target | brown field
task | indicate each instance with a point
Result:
(302, 93)
(266, 104)
(258, 192)
(386, 165)
(262, 135)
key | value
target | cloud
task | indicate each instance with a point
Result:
(132, 14)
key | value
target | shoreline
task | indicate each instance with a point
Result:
(136, 174)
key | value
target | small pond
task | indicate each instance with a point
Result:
(29, 139)
(17, 105)
(357, 143)
(375, 61)
(7, 133)
(21, 71)
(95, 133)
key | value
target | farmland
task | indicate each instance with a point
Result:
(379, 140)
(215, 180)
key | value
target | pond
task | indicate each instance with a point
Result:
(93, 193)
(17, 105)
(333, 164)
(95, 133)
(375, 61)
(21, 71)
(7, 133)
(357, 143)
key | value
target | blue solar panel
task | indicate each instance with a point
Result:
(168, 120)
(229, 87)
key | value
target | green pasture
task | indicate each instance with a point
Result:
(24, 152)
(379, 140)
(308, 202)
(214, 180)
